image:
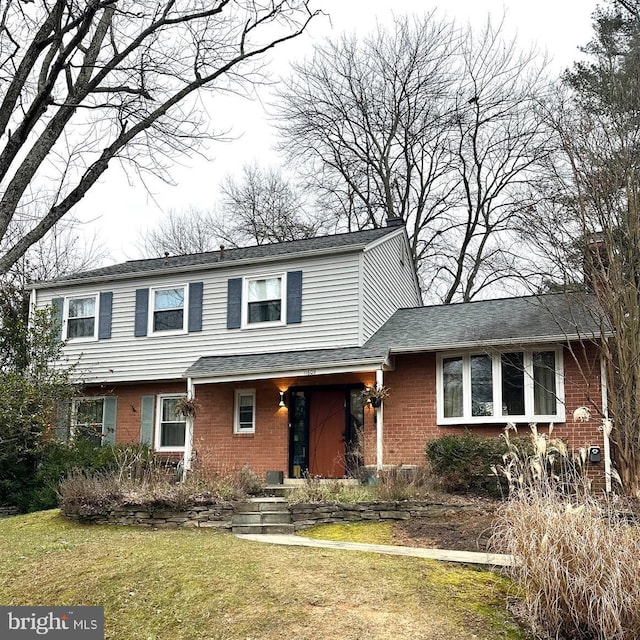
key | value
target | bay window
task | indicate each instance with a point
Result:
(500, 387)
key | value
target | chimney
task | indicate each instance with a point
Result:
(394, 221)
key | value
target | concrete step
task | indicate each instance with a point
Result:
(254, 505)
(263, 528)
(262, 517)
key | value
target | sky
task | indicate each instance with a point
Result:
(120, 207)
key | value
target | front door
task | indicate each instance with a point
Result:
(327, 431)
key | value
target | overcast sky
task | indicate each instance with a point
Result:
(119, 210)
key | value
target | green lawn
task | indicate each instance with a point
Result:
(179, 584)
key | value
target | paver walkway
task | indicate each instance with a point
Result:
(467, 557)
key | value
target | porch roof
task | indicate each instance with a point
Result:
(287, 364)
(506, 321)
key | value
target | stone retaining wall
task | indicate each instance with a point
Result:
(8, 511)
(302, 515)
(218, 516)
(309, 515)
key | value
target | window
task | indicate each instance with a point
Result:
(245, 411)
(500, 387)
(80, 318)
(168, 310)
(87, 419)
(170, 428)
(264, 300)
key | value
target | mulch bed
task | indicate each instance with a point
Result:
(466, 530)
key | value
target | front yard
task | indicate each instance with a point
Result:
(184, 584)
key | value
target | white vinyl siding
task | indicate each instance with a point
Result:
(330, 318)
(388, 283)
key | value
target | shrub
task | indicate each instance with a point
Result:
(464, 462)
(150, 487)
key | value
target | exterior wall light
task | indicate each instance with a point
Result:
(282, 403)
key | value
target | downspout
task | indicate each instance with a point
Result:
(188, 440)
(606, 427)
(379, 423)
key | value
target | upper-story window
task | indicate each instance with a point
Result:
(167, 312)
(265, 301)
(81, 318)
(500, 387)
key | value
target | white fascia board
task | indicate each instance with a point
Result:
(479, 344)
(382, 239)
(224, 264)
(292, 373)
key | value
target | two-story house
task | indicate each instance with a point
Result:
(276, 344)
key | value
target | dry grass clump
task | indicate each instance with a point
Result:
(577, 564)
(576, 559)
(314, 490)
(400, 483)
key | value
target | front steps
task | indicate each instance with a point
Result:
(262, 515)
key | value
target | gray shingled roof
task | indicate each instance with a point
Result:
(214, 259)
(529, 319)
(273, 363)
(532, 319)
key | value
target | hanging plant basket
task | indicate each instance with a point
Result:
(186, 408)
(375, 395)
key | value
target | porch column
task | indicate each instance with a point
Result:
(188, 436)
(379, 423)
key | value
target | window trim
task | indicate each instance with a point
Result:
(236, 411)
(529, 416)
(158, 423)
(245, 324)
(96, 318)
(74, 415)
(185, 310)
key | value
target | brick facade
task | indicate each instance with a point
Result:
(409, 413)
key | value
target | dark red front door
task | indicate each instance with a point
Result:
(327, 433)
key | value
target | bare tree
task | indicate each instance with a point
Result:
(180, 233)
(84, 84)
(263, 207)
(595, 207)
(428, 123)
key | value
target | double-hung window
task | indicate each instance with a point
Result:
(244, 419)
(167, 310)
(87, 419)
(500, 387)
(170, 428)
(80, 318)
(264, 300)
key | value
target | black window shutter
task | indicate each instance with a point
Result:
(195, 306)
(57, 305)
(294, 297)
(234, 303)
(142, 311)
(104, 319)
